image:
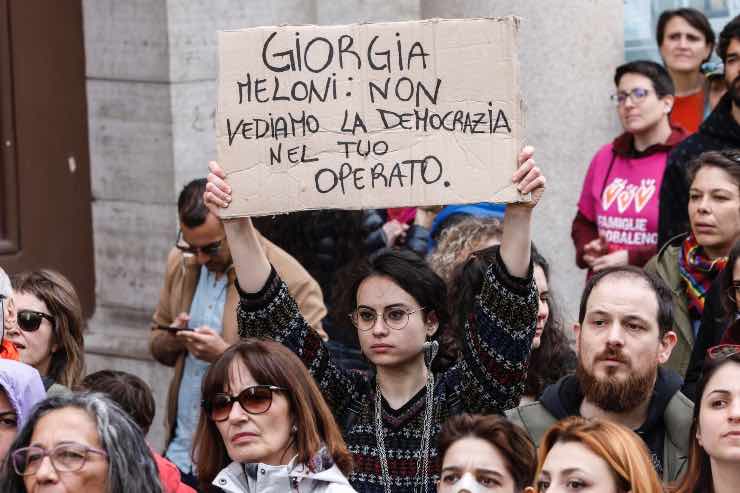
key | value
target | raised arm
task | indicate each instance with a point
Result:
(266, 308)
(498, 334)
(516, 242)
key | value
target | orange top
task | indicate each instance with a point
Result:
(8, 351)
(688, 111)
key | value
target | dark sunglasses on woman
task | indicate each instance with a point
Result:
(30, 320)
(254, 400)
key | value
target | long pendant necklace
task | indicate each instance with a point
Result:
(422, 462)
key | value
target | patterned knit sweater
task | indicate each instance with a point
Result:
(489, 378)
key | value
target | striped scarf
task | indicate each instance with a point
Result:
(698, 271)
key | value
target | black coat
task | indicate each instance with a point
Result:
(718, 132)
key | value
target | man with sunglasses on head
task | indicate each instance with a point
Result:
(7, 349)
(195, 319)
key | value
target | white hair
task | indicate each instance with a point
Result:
(5, 288)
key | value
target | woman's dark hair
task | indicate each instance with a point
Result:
(729, 32)
(698, 477)
(695, 19)
(131, 466)
(509, 439)
(269, 363)
(554, 357)
(658, 75)
(128, 391)
(729, 304)
(412, 274)
(728, 161)
(56, 291)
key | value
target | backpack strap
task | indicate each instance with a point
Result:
(534, 418)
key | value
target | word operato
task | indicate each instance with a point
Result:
(280, 54)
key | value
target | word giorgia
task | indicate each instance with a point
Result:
(319, 53)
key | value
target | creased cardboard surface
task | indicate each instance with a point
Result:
(369, 115)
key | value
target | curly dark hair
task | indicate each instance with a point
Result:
(553, 359)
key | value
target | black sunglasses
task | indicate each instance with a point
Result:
(210, 249)
(254, 400)
(30, 320)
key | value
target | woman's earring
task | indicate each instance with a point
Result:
(430, 351)
(294, 429)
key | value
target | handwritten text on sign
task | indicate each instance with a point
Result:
(369, 115)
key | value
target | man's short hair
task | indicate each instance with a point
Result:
(658, 75)
(190, 205)
(695, 19)
(731, 31)
(663, 294)
(128, 391)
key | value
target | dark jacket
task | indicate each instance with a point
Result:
(713, 324)
(720, 131)
(665, 431)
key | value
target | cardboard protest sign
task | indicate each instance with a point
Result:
(369, 115)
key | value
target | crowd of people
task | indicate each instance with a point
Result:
(422, 349)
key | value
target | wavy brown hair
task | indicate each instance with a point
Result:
(269, 363)
(56, 291)
(509, 439)
(618, 446)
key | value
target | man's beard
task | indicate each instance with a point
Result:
(735, 91)
(613, 394)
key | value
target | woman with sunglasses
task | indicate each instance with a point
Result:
(690, 263)
(266, 427)
(714, 455)
(75, 443)
(599, 455)
(391, 420)
(617, 218)
(48, 328)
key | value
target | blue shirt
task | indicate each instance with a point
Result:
(207, 308)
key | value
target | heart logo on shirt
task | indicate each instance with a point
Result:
(625, 197)
(644, 194)
(611, 191)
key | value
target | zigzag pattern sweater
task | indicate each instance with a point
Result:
(489, 378)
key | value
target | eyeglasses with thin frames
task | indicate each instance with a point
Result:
(65, 457)
(636, 95)
(394, 317)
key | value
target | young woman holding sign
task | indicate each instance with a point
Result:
(391, 421)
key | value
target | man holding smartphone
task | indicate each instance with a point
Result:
(195, 320)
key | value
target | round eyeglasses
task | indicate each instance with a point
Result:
(394, 317)
(66, 457)
(254, 400)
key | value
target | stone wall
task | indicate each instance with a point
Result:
(151, 71)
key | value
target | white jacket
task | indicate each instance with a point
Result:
(261, 478)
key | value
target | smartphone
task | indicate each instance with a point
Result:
(172, 329)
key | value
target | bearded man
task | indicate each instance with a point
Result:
(623, 334)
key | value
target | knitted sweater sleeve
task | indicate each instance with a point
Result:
(272, 313)
(497, 342)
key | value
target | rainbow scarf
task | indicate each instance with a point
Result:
(698, 271)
